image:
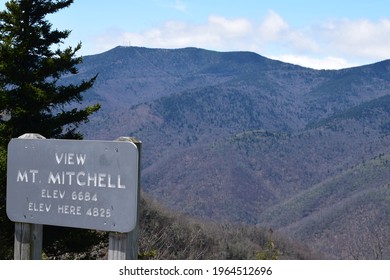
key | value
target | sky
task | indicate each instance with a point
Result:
(321, 34)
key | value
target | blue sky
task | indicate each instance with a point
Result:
(314, 33)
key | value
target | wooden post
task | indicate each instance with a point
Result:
(28, 237)
(124, 246)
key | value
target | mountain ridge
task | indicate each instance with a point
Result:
(228, 136)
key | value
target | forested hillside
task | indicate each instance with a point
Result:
(167, 235)
(238, 137)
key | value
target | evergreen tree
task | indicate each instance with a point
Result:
(33, 99)
(33, 96)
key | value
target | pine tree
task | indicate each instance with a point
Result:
(33, 96)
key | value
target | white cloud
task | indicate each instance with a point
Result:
(273, 27)
(331, 45)
(180, 6)
(229, 27)
(329, 62)
(360, 38)
(218, 33)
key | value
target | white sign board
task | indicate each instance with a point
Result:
(83, 184)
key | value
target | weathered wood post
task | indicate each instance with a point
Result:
(28, 237)
(124, 246)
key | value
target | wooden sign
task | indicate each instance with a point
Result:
(83, 184)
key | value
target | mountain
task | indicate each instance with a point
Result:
(235, 136)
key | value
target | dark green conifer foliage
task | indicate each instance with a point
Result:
(33, 99)
(33, 96)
